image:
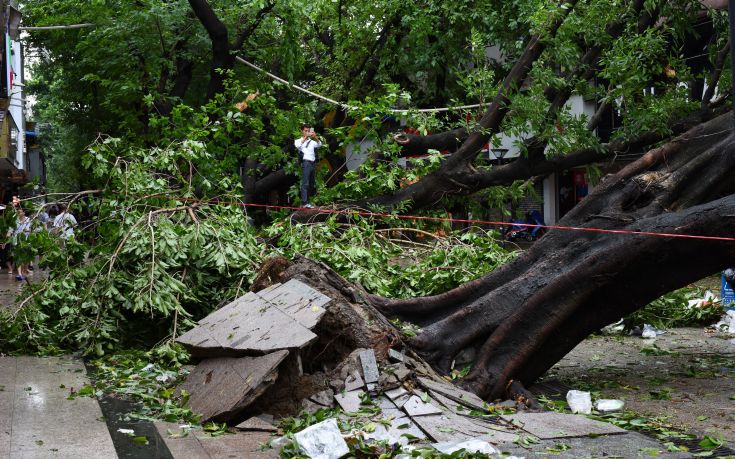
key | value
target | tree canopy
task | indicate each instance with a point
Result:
(178, 131)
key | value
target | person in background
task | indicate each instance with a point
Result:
(6, 258)
(22, 230)
(64, 223)
(307, 145)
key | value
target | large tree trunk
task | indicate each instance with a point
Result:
(525, 316)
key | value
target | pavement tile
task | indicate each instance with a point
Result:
(561, 425)
(44, 423)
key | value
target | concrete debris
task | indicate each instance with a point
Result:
(299, 301)
(550, 425)
(402, 372)
(415, 406)
(349, 401)
(324, 398)
(370, 371)
(396, 393)
(354, 381)
(579, 401)
(608, 405)
(388, 381)
(473, 446)
(396, 356)
(248, 325)
(256, 424)
(220, 388)
(322, 441)
(448, 390)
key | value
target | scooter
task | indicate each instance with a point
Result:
(522, 229)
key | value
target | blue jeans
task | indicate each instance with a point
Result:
(308, 180)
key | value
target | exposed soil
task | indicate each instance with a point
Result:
(687, 374)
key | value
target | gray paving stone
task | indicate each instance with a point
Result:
(370, 371)
(455, 393)
(416, 407)
(349, 401)
(221, 387)
(43, 423)
(247, 325)
(354, 381)
(256, 424)
(449, 427)
(299, 301)
(560, 425)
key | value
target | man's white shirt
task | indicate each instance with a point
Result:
(308, 147)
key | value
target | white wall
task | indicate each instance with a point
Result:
(16, 109)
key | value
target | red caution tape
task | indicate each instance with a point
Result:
(461, 220)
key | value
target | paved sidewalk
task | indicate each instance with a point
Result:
(37, 420)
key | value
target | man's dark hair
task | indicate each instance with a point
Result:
(306, 125)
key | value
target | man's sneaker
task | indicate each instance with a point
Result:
(308, 206)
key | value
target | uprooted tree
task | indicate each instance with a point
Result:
(523, 317)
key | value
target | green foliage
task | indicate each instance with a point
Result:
(386, 266)
(673, 310)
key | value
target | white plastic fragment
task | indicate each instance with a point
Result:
(472, 446)
(649, 331)
(322, 441)
(727, 322)
(608, 405)
(579, 401)
(708, 299)
(148, 367)
(126, 431)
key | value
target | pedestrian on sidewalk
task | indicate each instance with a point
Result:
(64, 223)
(20, 234)
(6, 258)
(307, 145)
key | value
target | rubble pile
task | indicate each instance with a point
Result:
(253, 348)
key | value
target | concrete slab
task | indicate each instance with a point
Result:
(43, 422)
(369, 366)
(256, 424)
(7, 393)
(455, 393)
(298, 301)
(632, 445)
(415, 406)
(199, 445)
(187, 446)
(222, 387)
(561, 425)
(349, 401)
(245, 326)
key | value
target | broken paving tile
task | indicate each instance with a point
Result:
(354, 381)
(369, 366)
(248, 324)
(560, 425)
(396, 393)
(219, 388)
(388, 408)
(349, 401)
(405, 430)
(450, 391)
(323, 398)
(417, 407)
(299, 301)
(395, 355)
(256, 424)
(322, 441)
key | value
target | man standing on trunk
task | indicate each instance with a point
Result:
(306, 145)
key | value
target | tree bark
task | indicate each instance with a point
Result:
(527, 315)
